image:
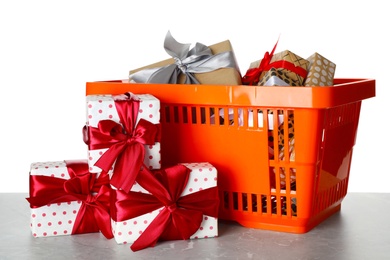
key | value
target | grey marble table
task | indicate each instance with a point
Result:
(361, 230)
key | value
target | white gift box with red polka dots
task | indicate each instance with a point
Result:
(102, 107)
(202, 176)
(54, 219)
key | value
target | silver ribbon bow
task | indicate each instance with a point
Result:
(197, 60)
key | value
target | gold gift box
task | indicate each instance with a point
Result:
(295, 79)
(222, 76)
(280, 73)
(321, 71)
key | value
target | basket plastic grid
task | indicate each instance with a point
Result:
(248, 134)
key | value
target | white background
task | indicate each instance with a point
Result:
(49, 49)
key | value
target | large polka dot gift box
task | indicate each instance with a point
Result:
(203, 176)
(321, 71)
(66, 199)
(105, 109)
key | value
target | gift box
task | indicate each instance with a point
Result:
(214, 65)
(292, 66)
(275, 77)
(66, 199)
(123, 134)
(179, 202)
(321, 71)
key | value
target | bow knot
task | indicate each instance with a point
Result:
(182, 67)
(171, 208)
(188, 61)
(117, 131)
(90, 200)
(131, 139)
(127, 138)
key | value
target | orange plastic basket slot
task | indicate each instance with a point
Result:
(283, 154)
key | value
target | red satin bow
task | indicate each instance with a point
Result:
(125, 141)
(94, 213)
(181, 216)
(252, 75)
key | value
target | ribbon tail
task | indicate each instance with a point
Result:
(190, 79)
(109, 157)
(184, 223)
(102, 212)
(104, 222)
(85, 221)
(127, 166)
(151, 235)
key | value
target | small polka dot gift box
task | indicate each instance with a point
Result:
(66, 199)
(321, 71)
(179, 202)
(123, 134)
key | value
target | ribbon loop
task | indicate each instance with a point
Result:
(199, 59)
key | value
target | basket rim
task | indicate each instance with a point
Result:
(344, 91)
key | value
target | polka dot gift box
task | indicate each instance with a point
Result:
(180, 202)
(123, 134)
(321, 71)
(66, 199)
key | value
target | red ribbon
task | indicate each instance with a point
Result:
(180, 218)
(125, 141)
(94, 213)
(252, 75)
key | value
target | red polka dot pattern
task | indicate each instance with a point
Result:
(128, 231)
(54, 219)
(102, 107)
(202, 176)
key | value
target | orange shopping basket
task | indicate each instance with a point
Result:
(283, 154)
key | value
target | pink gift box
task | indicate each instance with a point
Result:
(202, 176)
(58, 218)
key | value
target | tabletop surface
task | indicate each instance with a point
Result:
(361, 230)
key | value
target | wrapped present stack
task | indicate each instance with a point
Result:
(121, 189)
